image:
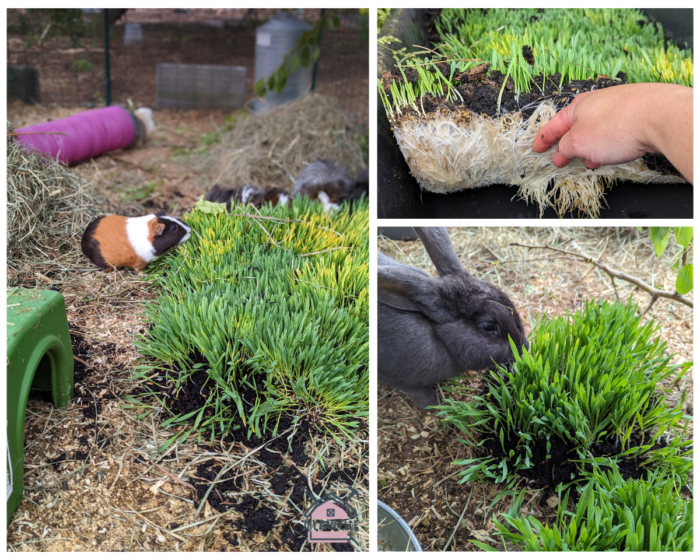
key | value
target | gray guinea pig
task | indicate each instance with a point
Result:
(431, 329)
(324, 181)
(247, 194)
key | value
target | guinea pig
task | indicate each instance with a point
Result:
(117, 241)
(324, 181)
(360, 187)
(144, 127)
(247, 194)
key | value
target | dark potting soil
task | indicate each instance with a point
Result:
(658, 162)
(85, 389)
(57, 462)
(294, 536)
(90, 388)
(348, 475)
(232, 539)
(481, 90)
(258, 515)
(562, 465)
(206, 474)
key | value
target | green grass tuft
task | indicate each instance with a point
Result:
(590, 378)
(577, 43)
(611, 514)
(272, 306)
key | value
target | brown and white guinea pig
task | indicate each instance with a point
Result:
(117, 241)
(247, 194)
(324, 181)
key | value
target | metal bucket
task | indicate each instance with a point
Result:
(273, 41)
(393, 533)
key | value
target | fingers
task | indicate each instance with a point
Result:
(553, 131)
(571, 147)
(566, 152)
(559, 160)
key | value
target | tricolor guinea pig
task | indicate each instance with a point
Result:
(247, 194)
(117, 241)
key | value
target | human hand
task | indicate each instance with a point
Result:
(621, 123)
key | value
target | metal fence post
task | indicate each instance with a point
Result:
(108, 79)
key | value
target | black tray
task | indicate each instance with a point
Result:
(400, 196)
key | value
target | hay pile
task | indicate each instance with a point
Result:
(48, 208)
(272, 149)
(452, 150)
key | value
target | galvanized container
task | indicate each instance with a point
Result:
(196, 86)
(273, 41)
(393, 533)
(133, 33)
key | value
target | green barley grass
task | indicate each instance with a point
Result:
(611, 514)
(577, 43)
(590, 378)
(273, 305)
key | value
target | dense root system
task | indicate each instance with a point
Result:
(451, 150)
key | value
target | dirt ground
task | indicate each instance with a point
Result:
(416, 476)
(95, 475)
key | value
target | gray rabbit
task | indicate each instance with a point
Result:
(431, 329)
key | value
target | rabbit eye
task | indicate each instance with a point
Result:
(488, 326)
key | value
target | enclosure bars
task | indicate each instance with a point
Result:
(108, 80)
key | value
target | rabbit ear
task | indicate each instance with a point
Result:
(437, 242)
(409, 289)
(383, 260)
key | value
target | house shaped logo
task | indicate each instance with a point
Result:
(331, 519)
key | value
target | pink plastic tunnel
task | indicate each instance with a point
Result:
(85, 135)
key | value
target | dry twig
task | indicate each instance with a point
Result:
(653, 292)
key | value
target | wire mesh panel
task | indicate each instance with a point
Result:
(197, 86)
(68, 49)
(23, 83)
(343, 69)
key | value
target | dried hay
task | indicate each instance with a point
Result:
(48, 208)
(272, 149)
(450, 151)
